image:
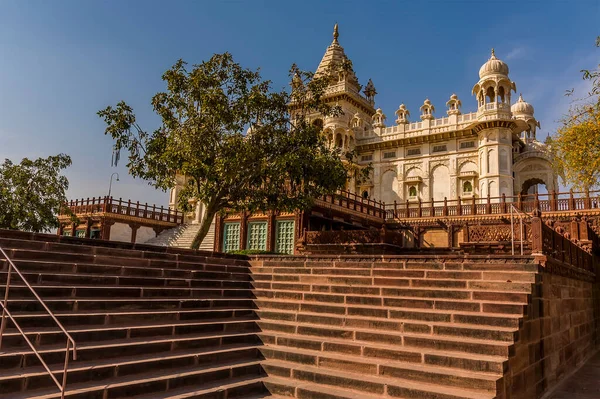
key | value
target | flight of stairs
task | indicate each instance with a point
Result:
(182, 237)
(158, 322)
(148, 323)
(402, 327)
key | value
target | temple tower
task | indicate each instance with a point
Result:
(495, 128)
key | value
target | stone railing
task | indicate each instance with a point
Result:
(109, 205)
(546, 241)
(353, 202)
(551, 202)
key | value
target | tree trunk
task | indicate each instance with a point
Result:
(204, 226)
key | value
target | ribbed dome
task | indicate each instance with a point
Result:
(493, 66)
(522, 107)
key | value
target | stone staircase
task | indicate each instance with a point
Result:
(148, 323)
(158, 322)
(403, 327)
(182, 237)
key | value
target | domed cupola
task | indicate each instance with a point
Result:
(521, 107)
(493, 89)
(522, 110)
(493, 66)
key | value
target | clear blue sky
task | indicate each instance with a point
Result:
(61, 61)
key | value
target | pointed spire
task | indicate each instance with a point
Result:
(493, 57)
(336, 34)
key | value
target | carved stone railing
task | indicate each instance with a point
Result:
(353, 202)
(109, 205)
(546, 241)
(498, 233)
(474, 206)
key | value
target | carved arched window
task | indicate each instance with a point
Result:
(412, 191)
(467, 187)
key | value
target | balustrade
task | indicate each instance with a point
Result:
(91, 206)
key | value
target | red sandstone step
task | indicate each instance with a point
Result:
(127, 386)
(85, 333)
(455, 378)
(193, 271)
(425, 284)
(304, 274)
(82, 291)
(18, 357)
(108, 279)
(367, 335)
(377, 296)
(296, 301)
(452, 359)
(213, 264)
(104, 248)
(240, 388)
(389, 311)
(479, 331)
(97, 369)
(270, 299)
(313, 382)
(115, 303)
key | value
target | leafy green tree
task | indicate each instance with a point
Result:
(240, 144)
(32, 193)
(576, 146)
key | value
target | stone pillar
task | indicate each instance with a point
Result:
(536, 233)
(199, 210)
(88, 228)
(243, 229)
(73, 229)
(105, 229)
(134, 229)
(271, 231)
(218, 234)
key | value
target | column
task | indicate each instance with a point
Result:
(134, 229)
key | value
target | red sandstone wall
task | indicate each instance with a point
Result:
(557, 335)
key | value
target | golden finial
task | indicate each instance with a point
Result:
(336, 34)
(493, 53)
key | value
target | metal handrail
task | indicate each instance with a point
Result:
(5, 313)
(512, 230)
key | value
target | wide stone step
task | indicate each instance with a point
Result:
(117, 280)
(18, 290)
(362, 275)
(317, 283)
(109, 349)
(398, 323)
(368, 335)
(249, 387)
(82, 333)
(384, 367)
(116, 303)
(305, 382)
(426, 356)
(12, 381)
(443, 262)
(376, 296)
(148, 383)
(297, 302)
(189, 271)
(178, 261)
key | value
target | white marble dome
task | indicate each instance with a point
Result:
(522, 107)
(493, 66)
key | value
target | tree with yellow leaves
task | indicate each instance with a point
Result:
(576, 145)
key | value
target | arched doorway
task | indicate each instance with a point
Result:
(534, 186)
